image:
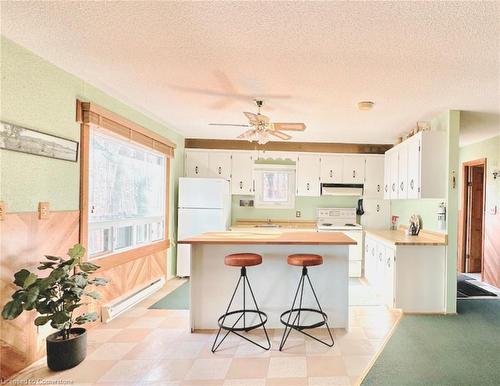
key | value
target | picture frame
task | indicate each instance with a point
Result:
(24, 140)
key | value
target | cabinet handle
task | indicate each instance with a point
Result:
(393, 187)
(378, 187)
(412, 184)
(196, 170)
(385, 188)
(378, 207)
(253, 185)
(402, 186)
(354, 174)
(307, 186)
(331, 173)
(220, 170)
(241, 184)
(388, 262)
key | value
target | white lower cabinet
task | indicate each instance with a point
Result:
(355, 253)
(408, 277)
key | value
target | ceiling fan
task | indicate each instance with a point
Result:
(261, 128)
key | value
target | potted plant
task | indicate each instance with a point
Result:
(56, 297)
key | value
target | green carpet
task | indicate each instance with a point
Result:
(461, 349)
(178, 299)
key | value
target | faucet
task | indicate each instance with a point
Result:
(269, 221)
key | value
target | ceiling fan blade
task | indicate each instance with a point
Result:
(289, 126)
(280, 135)
(252, 118)
(246, 134)
(228, 124)
(263, 119)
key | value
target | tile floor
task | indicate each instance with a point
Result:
(155, 347)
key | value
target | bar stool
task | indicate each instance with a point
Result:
(304, 261)
(242, 260)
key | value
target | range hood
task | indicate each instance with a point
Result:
(355, 190)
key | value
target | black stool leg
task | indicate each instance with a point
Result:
(295, 325)
(243, 277)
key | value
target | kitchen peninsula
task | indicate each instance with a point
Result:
(274, 282)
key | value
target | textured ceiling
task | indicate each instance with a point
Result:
(188, 64)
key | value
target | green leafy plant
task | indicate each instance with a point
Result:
(57, 296)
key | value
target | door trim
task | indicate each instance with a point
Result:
(461, 263)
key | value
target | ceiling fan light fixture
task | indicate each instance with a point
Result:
(365, 105)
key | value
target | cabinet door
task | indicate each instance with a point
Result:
(219, 165)
(414, 167)
(196, 164)
(387, 175)
(394, 174)
(308, 175)
(389, 278)
(353, 171)
(242, 173)
(374, 177)
(402, 170)
(331, 168)
(370, 260)
(377, 214)
(379, 268)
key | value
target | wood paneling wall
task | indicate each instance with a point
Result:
(491, 250)
(315, 147)
(24, 239)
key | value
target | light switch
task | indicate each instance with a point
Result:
(2, 211)
(298, 213)
(43, 210)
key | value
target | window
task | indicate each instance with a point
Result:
(274, 186)
(127, 194)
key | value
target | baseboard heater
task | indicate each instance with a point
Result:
(112, 310)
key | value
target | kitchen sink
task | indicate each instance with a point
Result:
(267, 226)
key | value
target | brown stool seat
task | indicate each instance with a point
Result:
(305, 259)
(243, 259)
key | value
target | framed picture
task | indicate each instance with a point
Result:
(23, 140)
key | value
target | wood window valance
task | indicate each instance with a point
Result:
(92, 114)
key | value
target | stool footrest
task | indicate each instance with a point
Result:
(301, 327)
(263, 320)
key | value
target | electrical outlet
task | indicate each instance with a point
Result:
(2, 210)
(43, 210)
(298, 213)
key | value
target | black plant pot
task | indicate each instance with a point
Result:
(65, 354)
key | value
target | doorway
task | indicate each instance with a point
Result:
(472, 218)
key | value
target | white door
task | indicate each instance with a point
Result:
(394, 174)
(374, 177)
(402, 170)
(377, 214)
(331, 168)
(308, 175)
(414, 166)
(389, 278)
(353, 171)
(387, 175)
(192, 222)
(219, 165)
(196, 164)
(242, 173)
(203, 192)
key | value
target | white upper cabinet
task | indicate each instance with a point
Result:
(353, 171)
(377, 214)
(308, 183)
(387, 175)
(417, 168)
(219, 164)
(374, 177)
(331, 168)
(242, 173)
(196, 163)
(402, 170)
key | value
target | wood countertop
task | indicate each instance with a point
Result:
(398, 237)
(277, 237)
(288, 224)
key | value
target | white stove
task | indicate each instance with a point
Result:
(337, 219)
(344, 220)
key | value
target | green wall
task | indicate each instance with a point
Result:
(425, 208)
(38, 95)
(489, 149)
(306, 205)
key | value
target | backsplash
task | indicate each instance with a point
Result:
(306, 205)
(425, 208)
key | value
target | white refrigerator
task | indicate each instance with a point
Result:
(204, 206)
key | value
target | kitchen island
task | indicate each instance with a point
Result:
(274, 282)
